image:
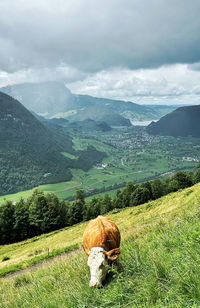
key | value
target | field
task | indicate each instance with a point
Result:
(132, 155)
(158, 267)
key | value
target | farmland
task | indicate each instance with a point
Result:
(132, 155)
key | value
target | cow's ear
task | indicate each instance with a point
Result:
(113, 254)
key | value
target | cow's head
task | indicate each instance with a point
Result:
(98, 261)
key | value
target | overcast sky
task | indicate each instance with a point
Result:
(146, 51)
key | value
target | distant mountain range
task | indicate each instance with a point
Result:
(184, 121)
(88, 125)
(30, 153)
(79, 126)
(53, 99)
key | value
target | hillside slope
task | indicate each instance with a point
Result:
(184, 121)
(158, 267)
(30, 153)
(28, 150)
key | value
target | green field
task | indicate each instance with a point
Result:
(132, 155)
(158, 267)
(55, 188)
(71, 156)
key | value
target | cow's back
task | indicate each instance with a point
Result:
(101, 231)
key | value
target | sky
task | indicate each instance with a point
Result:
(143, 51)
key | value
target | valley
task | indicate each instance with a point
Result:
(132, 156)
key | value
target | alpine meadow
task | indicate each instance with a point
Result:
(99, 154)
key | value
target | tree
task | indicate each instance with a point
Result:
(196, 176)
(21, 221)
(6, 222)
(38, 213)
(118, 201)
(180, 180)
(106, 204)
(77, 208)
(56, 215)
(46, 212)
(80, 195)
(140, 196)
(92, 209)
(126, 193)
(147, 185)
(157, 189)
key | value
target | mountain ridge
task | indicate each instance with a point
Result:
(54, 99)
(184, 121)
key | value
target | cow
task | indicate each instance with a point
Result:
(101, 242)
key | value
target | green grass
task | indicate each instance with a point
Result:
(71, 156)
(158, 267)
(58, 188)
(36, 259)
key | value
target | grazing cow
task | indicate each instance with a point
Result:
(101, 241)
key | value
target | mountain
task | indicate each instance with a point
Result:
(89, 125)
(30, 153)
(46, 98)
(82, 113)
(184, 121)
(85, 125)
(53, 99)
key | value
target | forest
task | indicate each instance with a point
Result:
(42, 213)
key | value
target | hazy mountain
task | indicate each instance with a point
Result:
(53, 99)
(184, 121)
(85, 112)
(46, 98)
(30, 153)
(79, 126)
(89, 125)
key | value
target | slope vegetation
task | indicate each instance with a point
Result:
(158, 267)
(30, 153)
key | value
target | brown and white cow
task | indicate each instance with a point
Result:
(101, 241)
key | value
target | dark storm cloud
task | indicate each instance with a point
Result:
(194, 66)
(93, 35)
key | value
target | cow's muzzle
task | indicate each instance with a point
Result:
(94, 284)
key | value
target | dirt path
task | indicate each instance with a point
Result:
(42, 264)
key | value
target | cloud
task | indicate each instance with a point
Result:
(35, 75)
(194, 66)
(91, 36)
(174, 84)
(137, 50)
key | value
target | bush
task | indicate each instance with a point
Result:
(196, 176)
(140, 196)
(5, 258)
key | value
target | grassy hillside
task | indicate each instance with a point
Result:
(159, 265)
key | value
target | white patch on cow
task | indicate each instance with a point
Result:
(97, 262)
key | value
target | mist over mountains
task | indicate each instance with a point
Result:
(53, 99)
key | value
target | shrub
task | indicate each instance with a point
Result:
(5, 258)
